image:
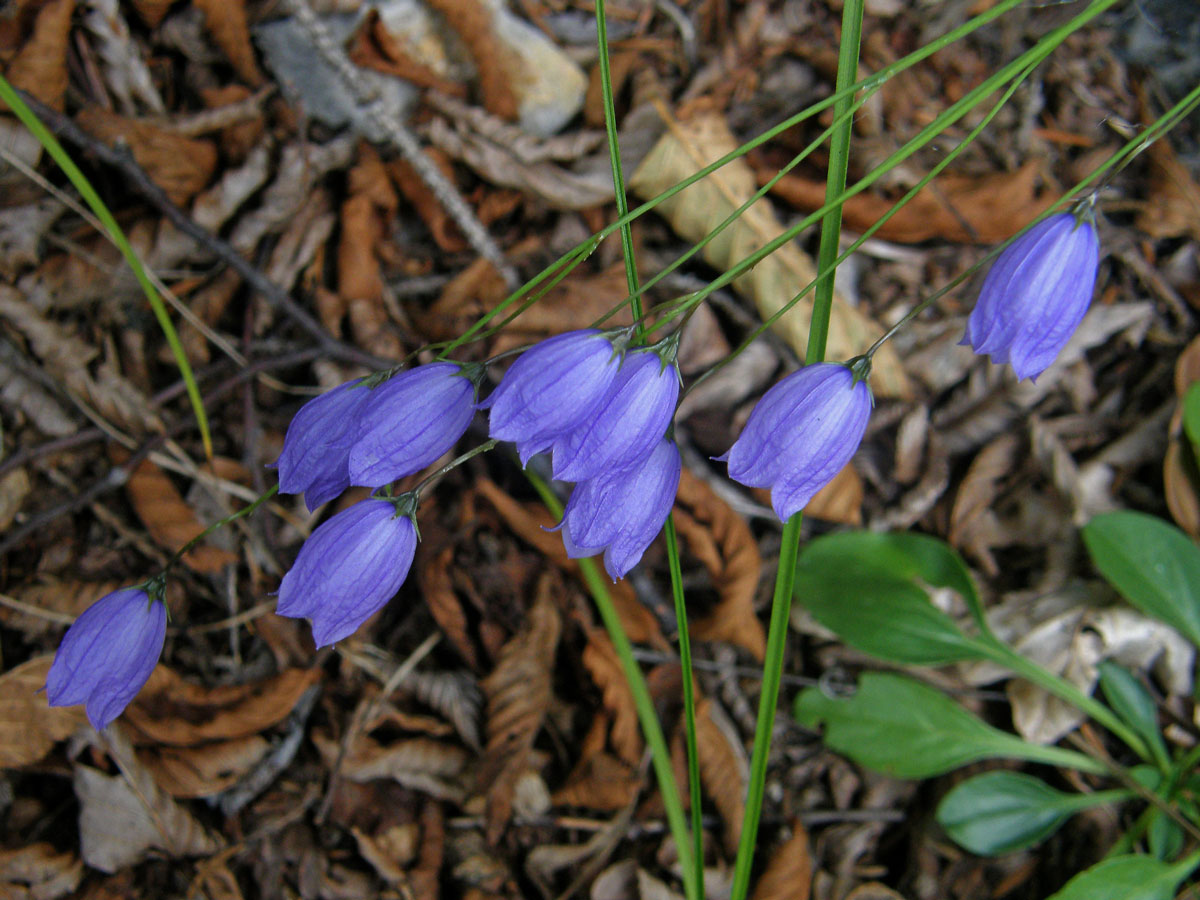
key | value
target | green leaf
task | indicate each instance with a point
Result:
(1131, 701)
(1155, 566)
(1164, 836)
(869, 588)
(907, 729)
(1132, 877)
(999, 812)
(1191, 415)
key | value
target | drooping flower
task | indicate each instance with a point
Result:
(348, 569)
(409, 421)
(316, 450)
(801, 434)
(620, 513)
(553, 387)
(107, 654)
(629, 421)
(1036, 294)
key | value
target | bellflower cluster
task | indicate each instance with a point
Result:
(801, 433)
(108, 653)
(603, 417)
(1036, 294)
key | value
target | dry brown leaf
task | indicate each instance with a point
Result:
(385, 851)
(29, 726)
(38, 872)
(873, 890)
(682, 151)
(467, 296)
(215, 881)
(421, 764)
(601, 782)
(14, 488)
(226, 20)
(531, 523)
(455, 695)
(973, 502)
(518, 695)
(425, 877)
(40, 67)
(1173, 208)
(374, 47)
(840, 500)
(1180, 480)
(176, 712)
(167, 516)
(472, 20)
(789, 873)
(722, 541)
(724, 770)
(152, 12)
(180, 166)
(434, 559)
(600, 659)
(68, 598)
(188, 772)
(425, 203)
(973, 210)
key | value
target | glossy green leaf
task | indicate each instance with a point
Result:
(907, 729)
(1131, 701)
(1131, 877)
(1154, 565)
(1191, 415)
(999, 812)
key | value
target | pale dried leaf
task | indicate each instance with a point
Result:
(29, 726)
(419, 763)
(690, 145)
(976, 495)
(40, 66)
(455, 695)
(126, 74)
(789, 873)
(601, 783)
(21, 231)
(188, 772)
(226, 20)
(19, 392)
(63, 598)
(840, 500)
(744, 376)
(14, 488)
(38, 872)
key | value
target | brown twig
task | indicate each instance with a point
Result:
(121, 159)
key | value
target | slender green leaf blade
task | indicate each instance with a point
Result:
(907, 729)
(1000, 812)
(1131, 701)
(1131, 877)
(1191, 415)
(1155, 566)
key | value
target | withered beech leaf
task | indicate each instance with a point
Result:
(167, 516)
(789, 873)
(435, 556)
(38, 872)
(724, 771)
(600, 659)
(975, 496)
(204, 770)
(421, 764)
(518, 695)
(531, 523)
(226, 21)
(721, 540)
(29, 726)
(40, 66)
(178, 713)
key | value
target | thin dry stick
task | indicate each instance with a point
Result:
(387, 121)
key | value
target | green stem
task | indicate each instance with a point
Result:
(117, 236)
(220, 523)
(660, 755)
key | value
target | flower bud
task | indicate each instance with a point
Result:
(316, 450)
(551, 389)
(627, 424)
(348, 569)
(801, 434)
(1035, 295)
(621, 513)
(409, 421)
(107, 654)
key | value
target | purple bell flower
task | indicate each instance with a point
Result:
(553, 387)
(409, 421)
(1035, 295)
(107, 654)
(801, 434)
(622, 512)
(348, 569)
(316, 451)
(627, 424)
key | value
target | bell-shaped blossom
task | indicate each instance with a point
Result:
(1035, 295)
(801, 434)
(627, 424)
(107, 654)
(620, 513)
(409, 421)
(348, 569)
(316, 450)
(553, 387)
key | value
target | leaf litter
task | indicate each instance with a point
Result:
(509, 761)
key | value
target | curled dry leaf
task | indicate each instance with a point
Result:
(375, 47)
(40, 66)
(1173, 207)
(722, 541)
(205, 770)
(600, 659)
(180, 166)
(518, 695)
(152, 12)
(530, 522)
(178, 713)
(38, 872)
(689, 146)
(724, 769)
(963, 208)
(601, 783)
(421, 764)
(424, 878)
(64, 598)
(972, 518)
(435, 556)
(472, 20)
(29, 726)
(426, 204)
(166, 515)
(226, 21)
(789, 873)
